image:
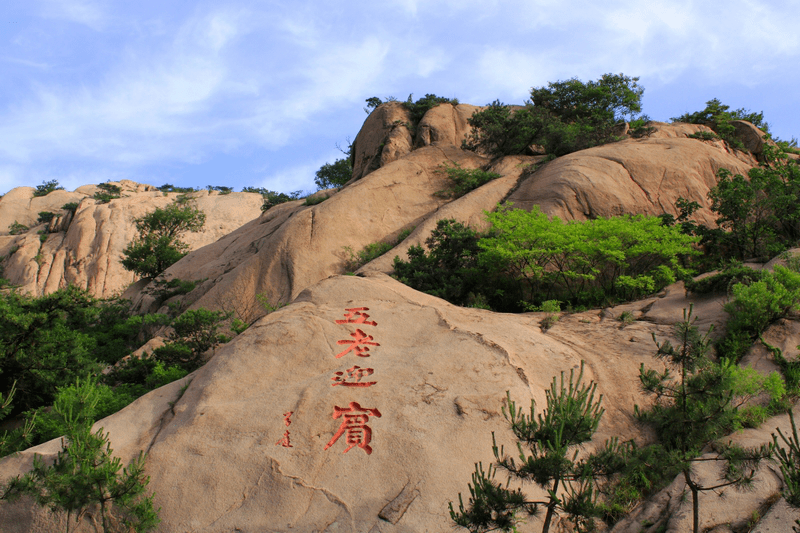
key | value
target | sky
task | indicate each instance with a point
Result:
(262, 93)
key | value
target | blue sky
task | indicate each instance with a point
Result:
(259, 93)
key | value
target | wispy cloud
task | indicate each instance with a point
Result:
(87, 12)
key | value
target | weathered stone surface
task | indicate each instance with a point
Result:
(440, 374)
(383, 138)
(445, 124)
(631, 176)
(87, 248)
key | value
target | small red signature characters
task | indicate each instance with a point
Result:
(284, 441)
(355, 425)
(359, 345)
(355, 316)
(355, 374)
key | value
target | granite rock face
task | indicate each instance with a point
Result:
(363, 405)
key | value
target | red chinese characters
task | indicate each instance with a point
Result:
(354, 417)
(354, 424)
(359, 345)
(284, 441)
(355, 316)
(353, 377)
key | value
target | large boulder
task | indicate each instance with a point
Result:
(631, 176)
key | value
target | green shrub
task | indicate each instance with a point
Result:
(220, 188)
(722, 282)
(46, 188)
(158, 245)
(789, 460)
(194, 333)
(699, 403)
(450, 269)
(85, 474)
(755, 306)
(640, 127)
(717, 116)
(704, 136)
(71, 206)
(163, 290)
(418, 109)
(584, 263)
(545, 443)
(16, 228)
(45, 217)
(107, 192)
(171, 188)
(563, 117)
(272, 198)
(371, 251)
(334, 174)
(314, 200)
(463, 180)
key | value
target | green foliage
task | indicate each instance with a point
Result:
(171, 188)
(640, 127)
(552, 308)
(194, 332)
(760, 213)
(755, 306)
(220, 188)
(367, 254)
(46, 188)
(718, 117)
(107, 193)
(584, 263)
(563, 117)
(45, 343)
(45, 217)
(704, 136)
(272, 198)
(570, 419)
(158, 245)
(163, 289)
(372, 103)
(314, 200)
(86, 475)
(17, 229)
(603, 102)
(334, 174)
(722, 282)
(70, 206)
(698, 406)
(463, 179)
(418, 109)
(789, 459)
(450, 269)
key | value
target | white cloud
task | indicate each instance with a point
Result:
(145, 108)
(86, 12)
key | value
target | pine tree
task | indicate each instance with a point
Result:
(699, 406)
(572, 416)
(85, 474)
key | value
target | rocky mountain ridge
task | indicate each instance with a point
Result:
(224, 455)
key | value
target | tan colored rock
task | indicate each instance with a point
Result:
(752, 138)
(445, 124)
(383, 138)
(89, 251)
(440, 375)
(469, 209)
(293, 246)
(631, 176)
